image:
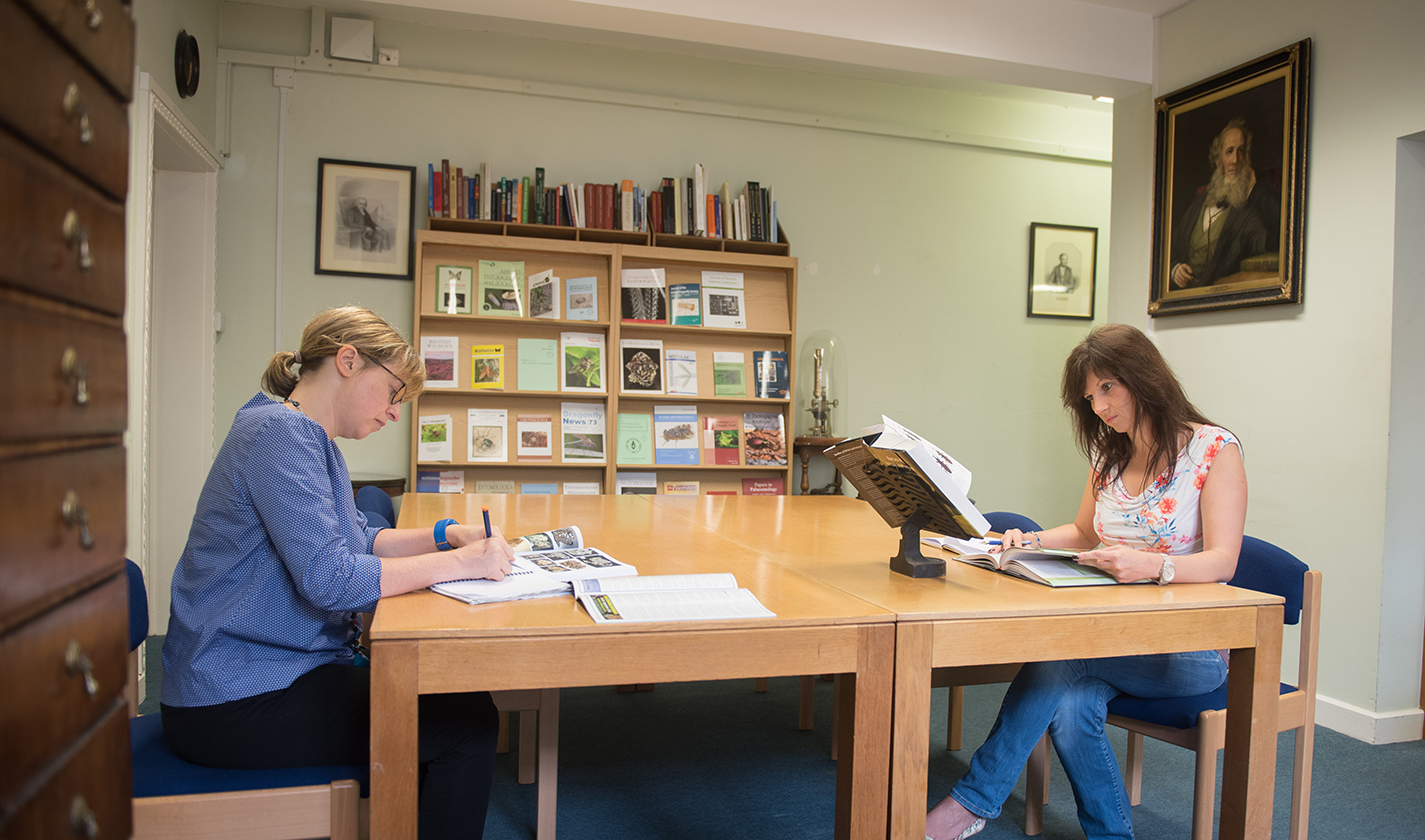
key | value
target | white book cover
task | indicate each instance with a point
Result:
(644, 296)
(488, 434)
(543, 295)
(681, 373)
(583, 360)
(637, 484)
(435, 438)
(581, 488)
(642, 367)
(440, 354)
(582, 429)
(723, 304)
(534, 437)
(452, 481)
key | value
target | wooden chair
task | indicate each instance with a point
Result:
(539, 745)
(176, 799)
(1200, 723)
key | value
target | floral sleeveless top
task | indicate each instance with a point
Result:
(1165, 517)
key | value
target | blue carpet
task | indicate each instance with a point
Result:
(719, 761)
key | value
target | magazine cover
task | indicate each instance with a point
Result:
(642, 371)
(501, 288)
(583, 362)
(582, 428)
(487, 435)
(438, 354)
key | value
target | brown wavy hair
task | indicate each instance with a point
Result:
(334, 328)
(1161, 406)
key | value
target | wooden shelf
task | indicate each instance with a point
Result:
(780, 248)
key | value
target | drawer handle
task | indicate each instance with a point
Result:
(73, 371)
(92, 16)
(75, 109)
(82, 820)
(77, 662)
(75, 514)
(76, 236)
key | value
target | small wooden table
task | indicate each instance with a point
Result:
(394, 485)
(805, 447)
(425, 643)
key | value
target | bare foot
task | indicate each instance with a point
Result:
(948, 820)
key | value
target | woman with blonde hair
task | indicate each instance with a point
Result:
(1165, 500)
(261, 666)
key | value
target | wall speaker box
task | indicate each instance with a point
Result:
(353, 39)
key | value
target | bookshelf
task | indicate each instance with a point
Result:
(770, 294)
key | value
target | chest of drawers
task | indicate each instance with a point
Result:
(68, 70)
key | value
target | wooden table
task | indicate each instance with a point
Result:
(973, 617)
(425, 643)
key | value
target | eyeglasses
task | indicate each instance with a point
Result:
(395, 392)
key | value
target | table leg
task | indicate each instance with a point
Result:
(394, 746)
(910, 751)
(805, 454)
(864, 756)
(1250, 755)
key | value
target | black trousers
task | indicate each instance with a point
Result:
(325, 718)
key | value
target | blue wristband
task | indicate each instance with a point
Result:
(440, 540)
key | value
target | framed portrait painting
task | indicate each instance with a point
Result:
(1063, 263)
(365, 219)
(1230, 187)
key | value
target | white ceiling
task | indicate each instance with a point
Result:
(1023, 48)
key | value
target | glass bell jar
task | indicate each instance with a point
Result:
(821, 384)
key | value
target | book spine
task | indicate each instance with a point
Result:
(430, 190)
(710, 211)
(459, 193)
(450, 192)
(539, 192)
(485, 185)
(526, 200)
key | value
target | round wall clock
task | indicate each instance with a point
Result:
(185, 64)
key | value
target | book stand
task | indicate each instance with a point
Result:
(918, 507)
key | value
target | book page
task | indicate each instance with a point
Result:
(653, 583)
(682, 605)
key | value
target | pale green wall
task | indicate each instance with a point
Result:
(1308, 387)
(159, 22)
(915, 252)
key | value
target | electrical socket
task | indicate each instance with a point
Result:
(388, 57)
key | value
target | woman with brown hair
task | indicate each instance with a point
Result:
(1165, 500)
(260, 666)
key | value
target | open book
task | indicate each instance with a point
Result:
(539, 573)
(668, 598)
(1049, 566)
(901, 473)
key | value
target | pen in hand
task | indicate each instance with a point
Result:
(486, 511)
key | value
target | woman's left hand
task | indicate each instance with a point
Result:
(1124, 563)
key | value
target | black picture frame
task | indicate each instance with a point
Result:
(365, 219)
(1063, 271)
(1245, 248)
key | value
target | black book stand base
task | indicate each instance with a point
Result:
(911, 562)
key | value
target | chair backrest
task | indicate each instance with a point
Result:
(138, 605)
(1263, 567)
(1001, 521)
(375, 504)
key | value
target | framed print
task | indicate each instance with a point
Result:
(365, 219)
(1229, 192)
(1063, 260)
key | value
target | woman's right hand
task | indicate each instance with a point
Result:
(487, 558)
(1015, 538)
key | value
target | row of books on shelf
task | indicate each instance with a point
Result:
(575, 364)
(501, 289)
(628, 484)
(671, 436)
(683, 206)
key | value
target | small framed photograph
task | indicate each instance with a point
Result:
(365, 219)
(1229, 192)
(1063, 261)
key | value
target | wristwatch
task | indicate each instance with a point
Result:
(440, 541)
(1165, 577)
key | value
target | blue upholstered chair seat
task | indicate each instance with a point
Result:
(1177, 712)
(159, 772)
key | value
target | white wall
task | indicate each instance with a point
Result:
(913, 251)
(1308, 388)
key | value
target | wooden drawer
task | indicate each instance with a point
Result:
(41, 557)
(87, 128)
(99, 774)
(101, 31)
(48, 704)
(62, 226)
(46, 397)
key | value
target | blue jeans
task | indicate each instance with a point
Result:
(1070, 700)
